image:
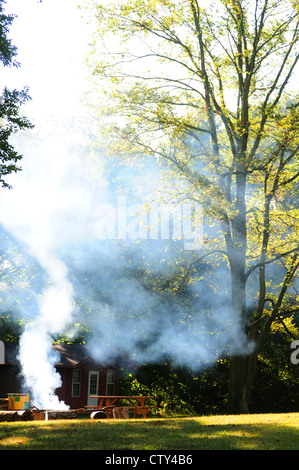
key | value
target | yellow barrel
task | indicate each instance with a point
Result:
(18, 401)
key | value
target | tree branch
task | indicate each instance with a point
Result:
(258, 265)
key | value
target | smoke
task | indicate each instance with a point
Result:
(193, 328)
(36, 355)
(106, 285)
(44, 213)
(38, 368)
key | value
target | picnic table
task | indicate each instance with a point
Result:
(136, 404)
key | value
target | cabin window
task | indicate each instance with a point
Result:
(76, 383)
(110, 382)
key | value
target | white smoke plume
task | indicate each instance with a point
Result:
(36, 212)
(36, 356)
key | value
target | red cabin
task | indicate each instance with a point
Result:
(82, 374)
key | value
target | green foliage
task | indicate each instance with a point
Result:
(11, 122)
(10, 327)
(7, 50)
(277, 379)
(10, 102)
(177, 390)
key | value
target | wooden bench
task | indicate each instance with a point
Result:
(122, 412)
(110, 405)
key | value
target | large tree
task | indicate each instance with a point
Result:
(10, 101)
(205, 88)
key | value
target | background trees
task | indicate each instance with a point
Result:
(205, 90)
(11, 100)
(13, 273)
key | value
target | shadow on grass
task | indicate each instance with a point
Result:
(165, 434)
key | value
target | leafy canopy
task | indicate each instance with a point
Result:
(10, 102)
(207, 89)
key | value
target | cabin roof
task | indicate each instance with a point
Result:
(75, 355)
(71, 354)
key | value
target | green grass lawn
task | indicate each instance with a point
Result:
(244, 432)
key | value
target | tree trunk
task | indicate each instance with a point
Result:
(241, 380)
(237, 397)
(237, 372)
(238, 393)
(243, 362)
(250, 376)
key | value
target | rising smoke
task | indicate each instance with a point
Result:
(40, 212)
(53, 211)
